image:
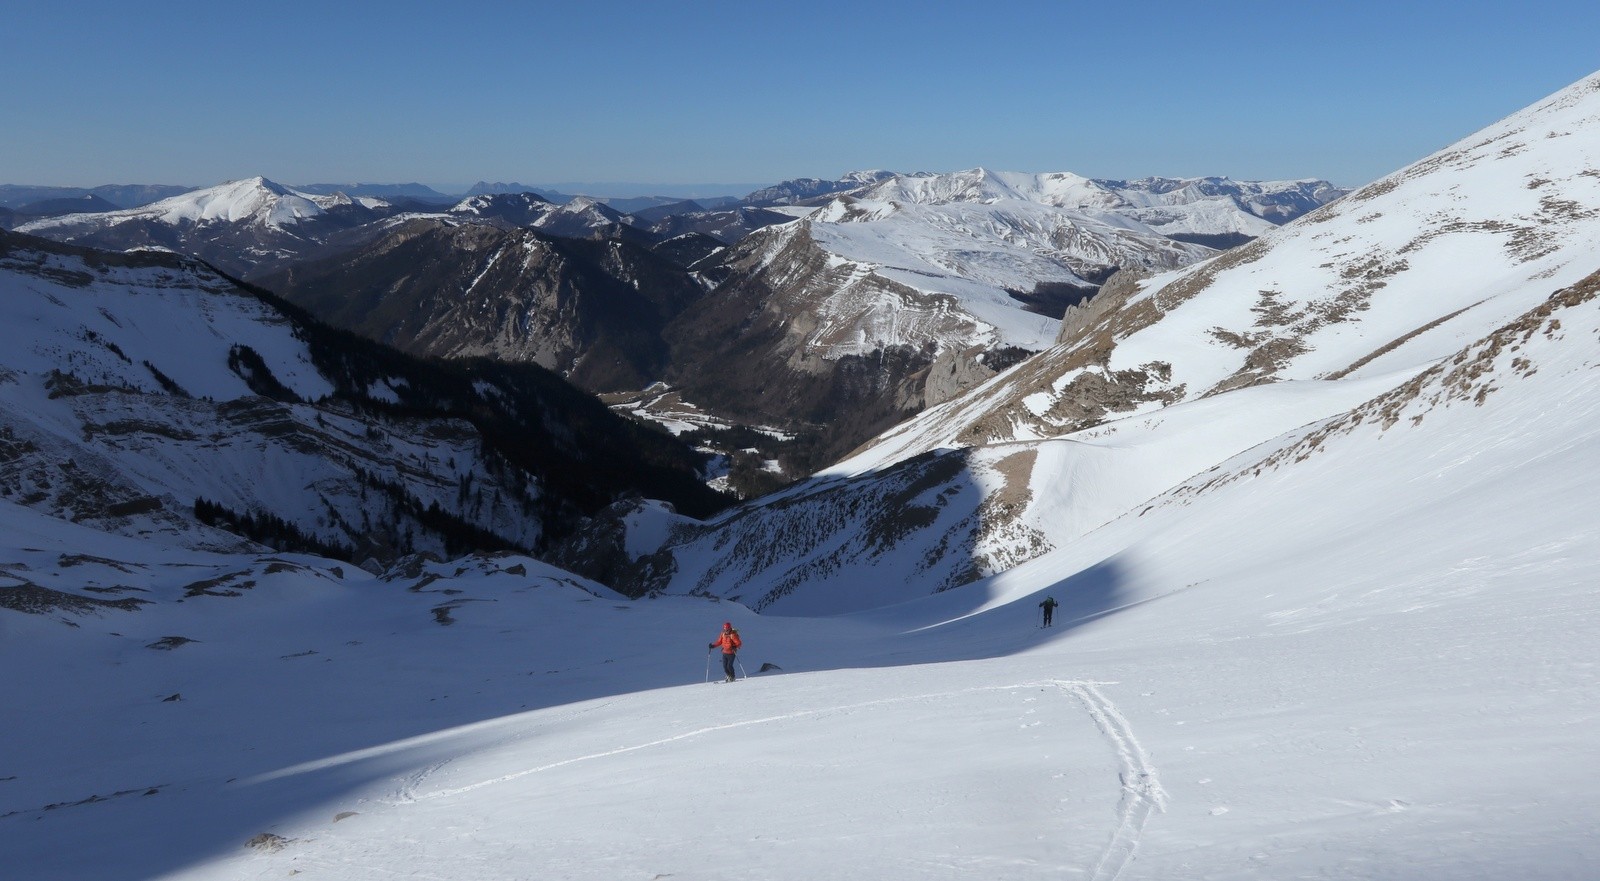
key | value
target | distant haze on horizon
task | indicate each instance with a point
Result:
(675, 95)
(621, 188)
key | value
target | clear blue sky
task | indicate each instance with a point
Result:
(756, 91)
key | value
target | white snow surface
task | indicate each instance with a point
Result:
(1193, 205)
(182, 321)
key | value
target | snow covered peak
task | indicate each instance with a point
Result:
(253, 200)
(258, 182)
(981, 185)
(869, 176)
(1274, 201)
(805, 189)
(581, 204)
(582, 209)
(240, 226)
(488, 202)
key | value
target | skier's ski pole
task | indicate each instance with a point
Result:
(708, 665)
(742, 674)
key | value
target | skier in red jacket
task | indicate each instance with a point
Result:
(729, 640)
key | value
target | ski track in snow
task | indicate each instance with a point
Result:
(1142, 794)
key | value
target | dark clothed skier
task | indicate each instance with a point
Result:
(1049, 606)
(729, 640)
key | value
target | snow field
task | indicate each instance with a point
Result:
(1376, 662)
(1354, 648)
(776, 780)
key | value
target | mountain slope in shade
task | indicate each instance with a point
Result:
(728, 225)
(586, 218)
(120, 195)
(590, 310)
(134, 385)
(86, 204)
(513, 209)
(808, 189)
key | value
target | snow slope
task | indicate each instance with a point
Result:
(975, 254)
(123, 399)
(1328, 665)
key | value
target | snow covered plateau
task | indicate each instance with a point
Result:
(1319, 514)
(963, 259)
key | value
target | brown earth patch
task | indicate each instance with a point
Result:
(1469, 376)
(37, 600)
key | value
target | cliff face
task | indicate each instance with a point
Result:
(590, 310)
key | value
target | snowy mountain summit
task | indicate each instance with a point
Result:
(241, 226)
(253, 200)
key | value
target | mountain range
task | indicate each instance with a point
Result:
(907, 289)
(17, 196)
(834, 320)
